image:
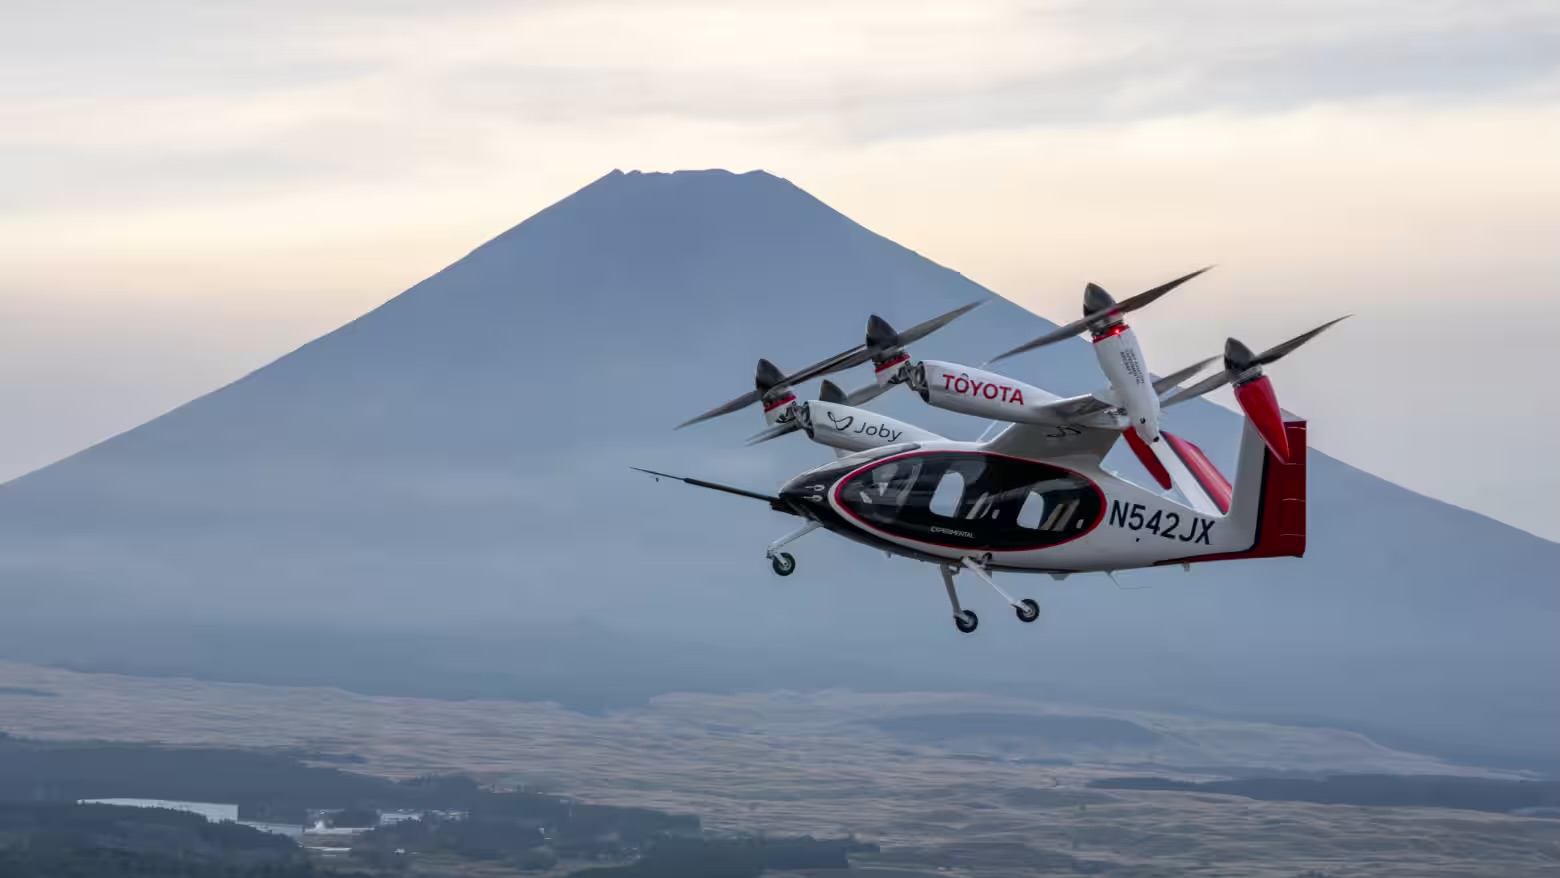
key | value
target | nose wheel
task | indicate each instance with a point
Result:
(966, 621)
(781, 562)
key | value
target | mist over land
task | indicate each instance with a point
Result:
(435, 500)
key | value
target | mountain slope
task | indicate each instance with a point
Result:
(457, 460)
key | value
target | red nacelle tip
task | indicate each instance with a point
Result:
(1260, 403)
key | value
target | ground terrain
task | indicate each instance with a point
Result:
(899, 770)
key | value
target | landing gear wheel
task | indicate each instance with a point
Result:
(1027, 610)
(783, 563)
(966, 621)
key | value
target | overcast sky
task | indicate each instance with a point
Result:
(194, 187)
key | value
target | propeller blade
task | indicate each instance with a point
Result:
(1271, 355)
(925, 328)
(1125, 306)
(839, 362)
(856, 356)
(1148, 296)
(1279, 351)
(1175, 378)
(774, 432)
(865, 394)
(740, 402)
(1212, 382)
(1055, 335)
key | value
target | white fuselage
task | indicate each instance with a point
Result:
(963, 501)
(1121, 359)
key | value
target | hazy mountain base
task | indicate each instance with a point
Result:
(789, 763)
(587, 668)
(459, 458)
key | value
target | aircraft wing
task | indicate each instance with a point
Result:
(1047, 440)
(1075, 408)
(1081, 407)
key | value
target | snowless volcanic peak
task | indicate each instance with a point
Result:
(460, 456)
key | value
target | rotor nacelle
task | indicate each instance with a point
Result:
(1255, 395)
(774, 392)
(971, 391)
(884, 347)
(1253, 391)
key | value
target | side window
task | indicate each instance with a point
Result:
(1029, 515)
(950, 490)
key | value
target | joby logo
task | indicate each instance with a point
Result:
(966, 386)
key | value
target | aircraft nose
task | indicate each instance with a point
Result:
(805, 492)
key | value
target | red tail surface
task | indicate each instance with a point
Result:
(1270, 493)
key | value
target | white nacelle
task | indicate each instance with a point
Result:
(781, 410)
(1121, 359)
(977, 392)
(852, 429)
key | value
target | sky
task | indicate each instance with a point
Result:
(189, 189)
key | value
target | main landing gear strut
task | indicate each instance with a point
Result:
(966, 620)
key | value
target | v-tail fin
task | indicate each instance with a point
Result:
(1266, 515)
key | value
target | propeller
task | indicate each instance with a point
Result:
(1238, 358)
(883, 346)
(1100, 312)
(769, 385)
(1174, 378)
(828, 391)
(1253, 391)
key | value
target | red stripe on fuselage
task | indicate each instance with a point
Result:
(780, 402)
(1213, 482)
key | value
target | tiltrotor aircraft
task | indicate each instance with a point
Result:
(1035, 498)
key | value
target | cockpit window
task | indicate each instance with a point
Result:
(954, 498)
(889, 484)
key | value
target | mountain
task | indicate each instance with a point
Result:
(449, 473)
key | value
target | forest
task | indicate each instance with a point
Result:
(44, 833)
(57, 840)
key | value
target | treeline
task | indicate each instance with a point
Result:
(733, 858)
(279, 788)
(102, 841)
(1376, 790)
(40, 782)
(527, 831)
(264, 786)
